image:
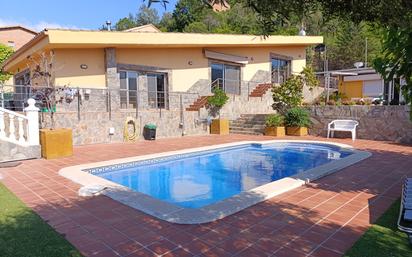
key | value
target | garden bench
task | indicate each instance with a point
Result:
(343, 125)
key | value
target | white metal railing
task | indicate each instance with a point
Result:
(18, 128)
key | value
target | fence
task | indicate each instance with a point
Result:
(81, 99)
(75, 99)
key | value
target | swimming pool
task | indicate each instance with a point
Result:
(204, 184)
(200, 179)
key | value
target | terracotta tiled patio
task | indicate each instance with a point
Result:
(321, 219)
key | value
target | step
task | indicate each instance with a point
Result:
(257, 122)
(244, 132)
(248, 126)
(254, 115)
(259, 131)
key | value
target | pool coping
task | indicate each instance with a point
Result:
(180, 215)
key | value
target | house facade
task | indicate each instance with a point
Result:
(169, 74)
(16, 36)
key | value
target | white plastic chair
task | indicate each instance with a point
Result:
(343, 125)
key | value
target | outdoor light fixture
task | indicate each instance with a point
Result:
(190, 62)
(83, 66)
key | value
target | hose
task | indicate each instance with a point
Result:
(126, 134)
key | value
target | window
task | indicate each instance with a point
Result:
(280, 70)
(157, 91)
(128, 89)
(226, 77)
(373, 88)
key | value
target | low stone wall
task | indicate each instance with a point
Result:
(388, 123)
(93, 127)
(13, 152)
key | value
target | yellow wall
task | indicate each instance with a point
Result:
(352, 89)
(185, 75)
(68, 71)
(259, 58)
(177, 60)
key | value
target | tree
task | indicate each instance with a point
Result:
(42, 80)
(5, 53)
(167, 22)
(349, 44)
(126, 23)
(196, 27)
(147, 15)
(217, 101)
(396, 61)
(290, 93)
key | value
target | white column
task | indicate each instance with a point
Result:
(21, 130)
(32, 114)
(12, 131)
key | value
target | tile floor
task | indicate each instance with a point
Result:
(323, 218)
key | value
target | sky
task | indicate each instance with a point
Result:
(73, 14)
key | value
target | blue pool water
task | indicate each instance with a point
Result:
(199, 179)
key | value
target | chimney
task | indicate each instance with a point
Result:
(109, 25)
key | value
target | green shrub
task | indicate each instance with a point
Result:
(290, 93)
(297, 117)
(217, 101)
(274, 120)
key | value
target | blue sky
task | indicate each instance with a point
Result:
(80, 14)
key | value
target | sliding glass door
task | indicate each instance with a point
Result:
(280, 70)
(157, 91)
(128, 89)
(226, 77)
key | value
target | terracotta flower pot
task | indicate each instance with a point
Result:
(56, 143)
(275, 131)
(220, 127)
(297, 131)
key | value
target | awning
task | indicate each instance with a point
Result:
(226, 57)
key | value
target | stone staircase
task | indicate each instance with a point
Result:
(249, 124)
(260, 90)
(198, 104)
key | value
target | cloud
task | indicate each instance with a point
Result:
(39, 26)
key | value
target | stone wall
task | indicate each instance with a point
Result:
(14, 152)
(389, 123)
(93, 127)
(96, 110)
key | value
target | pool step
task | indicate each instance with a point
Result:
(249, 124)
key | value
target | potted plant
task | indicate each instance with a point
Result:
(297, 121)
(275, 125)
(215, 103)
(55, 142)
(149, 131)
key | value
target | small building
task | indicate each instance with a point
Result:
(16, 36)
(366, 83)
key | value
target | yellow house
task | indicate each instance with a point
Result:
(158, 62)
(361, 83)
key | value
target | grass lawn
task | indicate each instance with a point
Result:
(24, 234)
(383, 239)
